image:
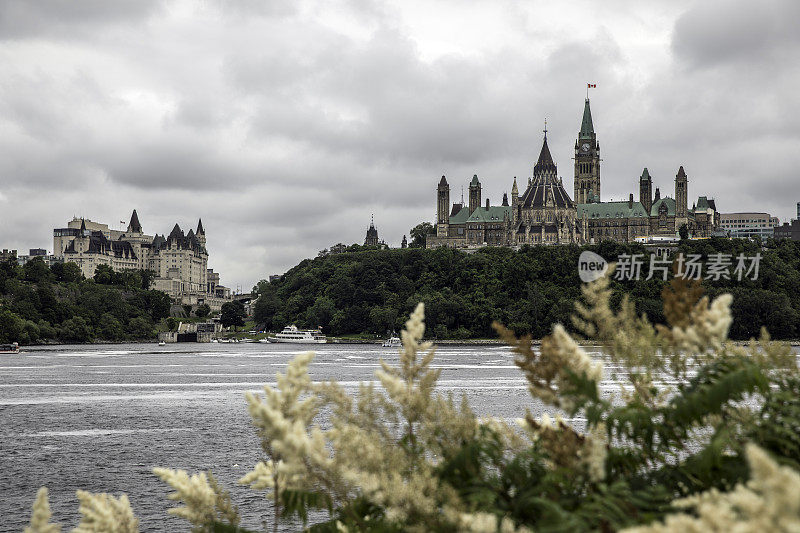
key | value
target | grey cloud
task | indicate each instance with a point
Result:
(21, 19)
(718, 33)
(284, 133)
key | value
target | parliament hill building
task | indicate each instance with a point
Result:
(546, 214)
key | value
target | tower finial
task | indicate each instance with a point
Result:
(545, 128)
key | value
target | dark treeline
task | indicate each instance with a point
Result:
(56, 304)
(529, 290)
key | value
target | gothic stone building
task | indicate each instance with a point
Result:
(545, 213)
(179, 261)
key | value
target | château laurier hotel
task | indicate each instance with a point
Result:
(546, 214)
(179, 261)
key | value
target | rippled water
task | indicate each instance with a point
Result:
(100, 418)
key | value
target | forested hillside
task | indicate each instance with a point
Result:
(529, 289)
(40, 304)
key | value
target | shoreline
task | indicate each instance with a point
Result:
(375, 342)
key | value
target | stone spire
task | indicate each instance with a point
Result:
(545, 168)
(200, 230)
(133, 225)
(587, 128)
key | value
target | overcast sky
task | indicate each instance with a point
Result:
(286, 124)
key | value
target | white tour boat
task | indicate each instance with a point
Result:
(9, 348)
(393, 341)
(299, 336)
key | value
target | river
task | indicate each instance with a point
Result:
(100, 417)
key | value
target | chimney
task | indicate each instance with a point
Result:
(658, 195)
(630, 201)
(487, 204)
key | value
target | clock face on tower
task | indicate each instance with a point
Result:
(585, 147)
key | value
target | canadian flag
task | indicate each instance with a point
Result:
(591, 85)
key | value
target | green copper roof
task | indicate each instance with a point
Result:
(587, 128)
(702, 203)
(645, 175)
(474, 181)
(495, 213)
(669, 202)
(612, 210)
(460, 217)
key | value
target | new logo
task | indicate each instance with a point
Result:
(591, 266)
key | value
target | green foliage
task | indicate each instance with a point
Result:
(232, 314)
(202, 311)
(529, 290)
(419, 234)
(39, 304)
(130, 279)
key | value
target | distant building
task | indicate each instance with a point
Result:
(404, 242)
(546, 214)
(747, 225)
(37, 252)
(372, 235)
(213, 286)
(48, 260)
(178, 260)
(7, 255)
(789, 230)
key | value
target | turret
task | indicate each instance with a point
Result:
(646, 190)
(514, 201)
(442, 208)
(133, 225)
(681, 194)
(474, 194)
(200, 233)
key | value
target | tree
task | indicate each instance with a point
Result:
(104, 275)
(11, 326)
(36, 270)
(66, 272)
(419, 234)
(141, 328)
(202, 310)
(232, 315)
(321, 313)
(683, 231)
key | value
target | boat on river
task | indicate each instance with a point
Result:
(393, 341)
(9, 348)
(299, 336)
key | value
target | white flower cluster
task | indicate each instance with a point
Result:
(194, 491)
(487, 523)
(594, 451)
(40, 517)
(574, 357)
(768, 502)
(282, 417)
(102, 513)
(707, 329)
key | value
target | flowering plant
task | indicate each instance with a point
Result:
(698, 423)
